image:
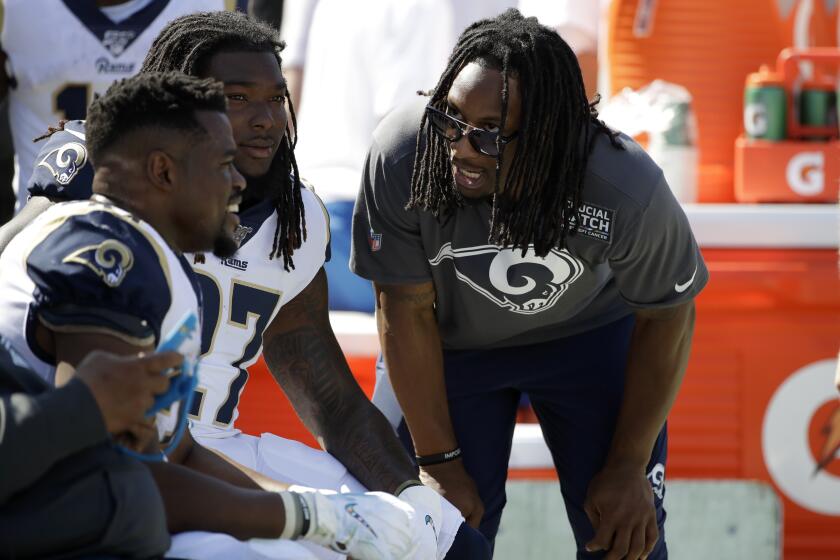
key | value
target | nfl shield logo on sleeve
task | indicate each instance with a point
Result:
(374, 240)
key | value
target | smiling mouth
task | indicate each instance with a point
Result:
(470, 174)
(233, 205)
(466, 178)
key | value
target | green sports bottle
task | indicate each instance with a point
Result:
(765, 106)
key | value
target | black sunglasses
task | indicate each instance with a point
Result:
(484, 141)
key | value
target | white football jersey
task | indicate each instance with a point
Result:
(62, 52)
(242, 295)
(92, 267)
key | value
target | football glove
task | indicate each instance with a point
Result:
(369, 526)
(435, 513)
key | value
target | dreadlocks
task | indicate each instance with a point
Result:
(186, 44)
(539, 202)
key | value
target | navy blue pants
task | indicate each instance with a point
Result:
(575, 386)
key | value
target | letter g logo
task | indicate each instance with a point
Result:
(755, 120)
(805, 173)
(784, 438)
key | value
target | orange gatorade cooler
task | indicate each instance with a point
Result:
(786, 171)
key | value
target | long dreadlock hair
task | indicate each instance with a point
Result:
(541, 195)
(186, 45)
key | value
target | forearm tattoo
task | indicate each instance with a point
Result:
(303, 355)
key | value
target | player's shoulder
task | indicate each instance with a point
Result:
(315, 248)
(94, 265)
(388, 170)
(92, 237)
(62, 168)
(395, 138)
(627, 174)
(97, 216)
(89, 266)
(313, 206)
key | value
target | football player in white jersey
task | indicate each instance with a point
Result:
(272, 293)
(109, 274)
(59, 53)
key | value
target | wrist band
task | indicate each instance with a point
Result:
(294, 515)
(439, 458)
(305, 515)
(405, 485)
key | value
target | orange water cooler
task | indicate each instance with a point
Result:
(801, 163)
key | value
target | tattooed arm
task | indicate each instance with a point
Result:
(303, 354)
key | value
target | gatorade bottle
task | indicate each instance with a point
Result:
(817, 105)
(765, 106)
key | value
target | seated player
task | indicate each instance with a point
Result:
(54, 469)
(273, 291)
(109, 274)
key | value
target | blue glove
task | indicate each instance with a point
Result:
(181, 386)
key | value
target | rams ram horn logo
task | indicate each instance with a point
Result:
(524, 284)
(110, 260)
(65, 162)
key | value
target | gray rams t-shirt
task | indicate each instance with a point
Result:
(633, 249)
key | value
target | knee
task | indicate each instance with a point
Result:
(469, 544)
(490, 524)
(138, 528)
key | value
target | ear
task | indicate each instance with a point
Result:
(162, 170)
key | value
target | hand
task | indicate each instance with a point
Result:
(429, 506)
(141, 436)
(619, 504)
(370, 526)
(453, 483)
(124, 387)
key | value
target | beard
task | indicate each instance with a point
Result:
(224, 245)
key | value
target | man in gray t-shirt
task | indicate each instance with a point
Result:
(523, 247)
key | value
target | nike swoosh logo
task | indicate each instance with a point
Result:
(680, 288)
(430, 521)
